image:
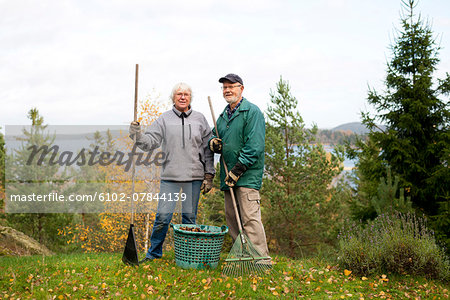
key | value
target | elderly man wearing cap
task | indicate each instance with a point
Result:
(241, 128)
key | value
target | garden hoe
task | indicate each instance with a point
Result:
(130, 255)
(243, 258)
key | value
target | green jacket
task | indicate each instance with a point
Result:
(243, 139)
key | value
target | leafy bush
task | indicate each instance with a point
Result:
(358, 251)
(398, 243)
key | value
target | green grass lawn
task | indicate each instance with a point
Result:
(94, 276)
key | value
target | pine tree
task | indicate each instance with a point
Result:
(387, 200)
(300, 211)
(416, 141)
(27, 179)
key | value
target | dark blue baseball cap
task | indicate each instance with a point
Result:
(233, 78)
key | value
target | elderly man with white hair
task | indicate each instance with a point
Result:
(183, 135)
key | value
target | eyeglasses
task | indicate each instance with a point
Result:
(229, 87)
(182, 94)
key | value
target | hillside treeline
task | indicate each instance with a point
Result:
(337, 137)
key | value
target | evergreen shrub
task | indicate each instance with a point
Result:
(397, 243)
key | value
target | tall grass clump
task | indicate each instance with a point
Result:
(397, 243)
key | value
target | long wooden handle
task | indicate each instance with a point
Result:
(136, 92)
(133, 167)
(226, 169)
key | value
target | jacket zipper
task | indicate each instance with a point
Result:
(182, 128)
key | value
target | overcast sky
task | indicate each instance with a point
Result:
(75, 60)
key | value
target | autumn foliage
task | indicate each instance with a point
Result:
(107, 232)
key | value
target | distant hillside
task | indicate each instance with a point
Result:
(347, 132)
(355, 127)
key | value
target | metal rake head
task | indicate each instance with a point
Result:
(246, 267)
(244, 259)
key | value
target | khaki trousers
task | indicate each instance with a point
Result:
(249, 208)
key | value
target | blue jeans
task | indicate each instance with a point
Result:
(169, 195)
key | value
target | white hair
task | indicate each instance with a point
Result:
(183, 87)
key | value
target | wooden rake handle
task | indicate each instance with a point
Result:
(133, 167)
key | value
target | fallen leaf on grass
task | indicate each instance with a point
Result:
(150, 289)
(347, 272)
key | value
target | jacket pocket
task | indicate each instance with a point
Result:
(200, 157)
(253, 196)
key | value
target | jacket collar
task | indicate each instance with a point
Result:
(245, 105)
(178, 113)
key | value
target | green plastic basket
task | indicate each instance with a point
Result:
(198, 250)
